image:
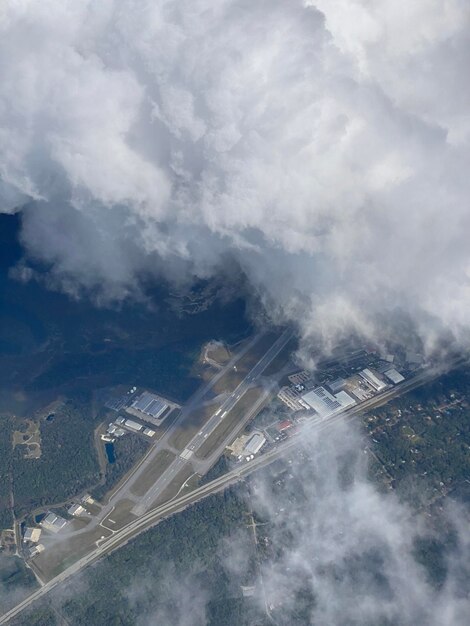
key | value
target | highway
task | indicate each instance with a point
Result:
(239, 473)
(197, 441)
(124, 489)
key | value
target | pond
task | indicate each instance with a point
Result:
(109, 447)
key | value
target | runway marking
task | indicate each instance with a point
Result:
(186, 454)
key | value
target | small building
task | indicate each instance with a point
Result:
(76, 510)
(284, 425)
(54, 523)
(254, 443)
(394, 375)
(119, 432)
(36, 550)
(149, 432)
(120, 420)
(32, 534)
(372, 378)
(133, 425)
(87, 499)
(299, 377)
(291, 397)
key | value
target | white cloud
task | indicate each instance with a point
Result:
(322, 146)
(336, 539)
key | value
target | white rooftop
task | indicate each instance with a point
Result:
(394, 375)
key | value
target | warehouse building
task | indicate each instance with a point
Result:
(254, 443)
(76, 510)
(336, 385)
(54, 523)
(394, 375)
(36, 550)
(372, 378)
(291, 397)
(325, 404)
(151, 408)
(150, 404)
(32, 534)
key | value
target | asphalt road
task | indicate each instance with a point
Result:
(124, 489)
(181, 461)
(180, 503)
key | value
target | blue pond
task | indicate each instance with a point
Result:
(109, 447)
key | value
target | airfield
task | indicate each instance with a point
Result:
(184, 450)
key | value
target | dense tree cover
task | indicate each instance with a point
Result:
(5, 464)
(423, 438)
(143, 578)
(128, 450)
(68, 463)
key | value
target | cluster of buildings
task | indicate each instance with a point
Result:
(338, 394)
(121, 425)
(53, 523)
(149, 407)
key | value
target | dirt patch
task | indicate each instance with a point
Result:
(216, 353)
(30, 439)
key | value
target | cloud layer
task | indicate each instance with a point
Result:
(322, 147)
(343, 553)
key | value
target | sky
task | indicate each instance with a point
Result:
(321, 148)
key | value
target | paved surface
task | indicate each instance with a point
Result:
(124, 490)
(217, 418)
(153, 517)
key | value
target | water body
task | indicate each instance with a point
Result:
(110, 453)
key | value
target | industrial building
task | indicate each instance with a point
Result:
(135, 426)
(336, 385)
(254, 443)
(115, 429)
(394, 375)
(54, 523)
(32, 534)
(300, 377)
(291, 397)
(36, 550)
(76, 510)
(324, 403)
(150, 404)
(372, 378)
(284, 425)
